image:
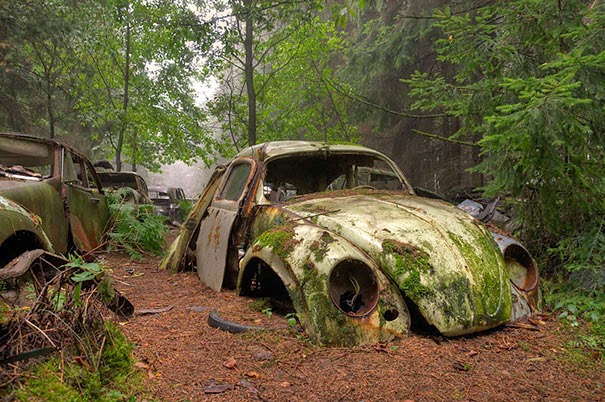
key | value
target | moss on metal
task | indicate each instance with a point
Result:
(328, 325)
(281, 240)
(409, 263)
(320, 247)
(480, 254)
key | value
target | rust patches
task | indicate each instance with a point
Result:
(81, 236)
(217, 235)
(402, 248)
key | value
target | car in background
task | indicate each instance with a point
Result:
(138, 191)
(51, 199)
(170, 202)
(337, 232)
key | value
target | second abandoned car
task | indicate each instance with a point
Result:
(132, 185)
(337, 231)
(169, 202)
(50, 198)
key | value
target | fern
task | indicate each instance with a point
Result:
(136, 229)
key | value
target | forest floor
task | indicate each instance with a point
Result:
(187, 360)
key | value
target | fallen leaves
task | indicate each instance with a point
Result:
(230, 363)
(535, 359)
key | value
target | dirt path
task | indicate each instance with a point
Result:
(186, 360)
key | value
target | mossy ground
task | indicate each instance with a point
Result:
(107, 375)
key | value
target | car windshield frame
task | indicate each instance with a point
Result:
(290, 175)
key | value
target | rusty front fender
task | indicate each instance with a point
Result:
(17, 220)
(316, 266)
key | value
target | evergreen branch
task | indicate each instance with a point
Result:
(446, 139)
(365, 101)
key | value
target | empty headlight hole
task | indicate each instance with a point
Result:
(353, 288)
(390, 314)
(521, 267)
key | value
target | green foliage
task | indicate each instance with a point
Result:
(384, 43)
(300, 102)
(288, 58)
(292, 319)
(135, 228)
(185, 206)
(268, 312)
(88, 270)
(575, 304)
(527, 85)
(64, 74)
(4, 312)
(261, 304)
(113, 378)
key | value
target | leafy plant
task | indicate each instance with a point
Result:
(185, 207)
(292, 319)
(576, 305)
(135, 228)
(89, 271)
(4, 309)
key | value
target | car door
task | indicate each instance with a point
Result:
(216, 225)
(86, 204)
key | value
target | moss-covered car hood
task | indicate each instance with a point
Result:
(441, 258)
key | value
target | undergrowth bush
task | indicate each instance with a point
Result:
(576, 292)
(575, 306)
(112, 377)
(135, 228)
(89, 359)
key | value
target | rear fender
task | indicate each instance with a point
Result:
(524, 277)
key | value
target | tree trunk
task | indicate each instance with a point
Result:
(124, 103)
(249, 73)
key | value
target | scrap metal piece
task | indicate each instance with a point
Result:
(20, 265)
(215, 321)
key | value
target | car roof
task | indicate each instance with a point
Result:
(114, 174)
(275, 149)
(47, 141)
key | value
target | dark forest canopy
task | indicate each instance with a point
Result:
(512, 90)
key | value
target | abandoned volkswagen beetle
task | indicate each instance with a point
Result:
(50, 200)
(337, 231)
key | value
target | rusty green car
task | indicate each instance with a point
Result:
(338, 233)
(50, 200)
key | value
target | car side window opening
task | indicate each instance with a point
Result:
(70, 173)
(236, 182)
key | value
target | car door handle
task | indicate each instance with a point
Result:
(95, 201)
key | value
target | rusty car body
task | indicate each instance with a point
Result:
(337, 231)
(50, 200)
(138, 191)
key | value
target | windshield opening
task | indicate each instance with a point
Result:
(292, 176)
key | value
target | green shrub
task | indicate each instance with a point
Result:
(135, 227)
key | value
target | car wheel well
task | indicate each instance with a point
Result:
(259, 280)
(20, 242)
(418, 324)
